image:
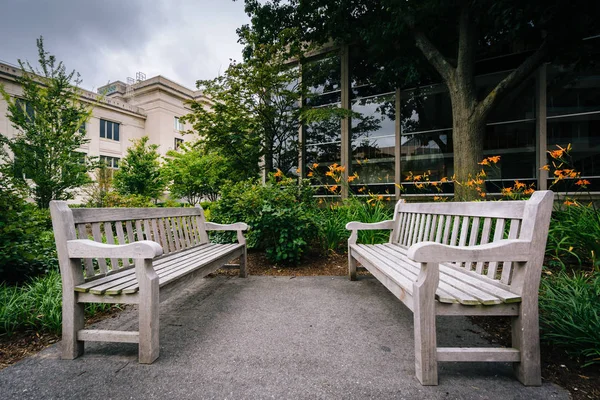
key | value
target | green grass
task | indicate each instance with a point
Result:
(570, 314)
(333, 234)
(36, 305)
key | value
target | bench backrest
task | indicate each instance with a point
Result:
(474, 223)
(175, 229)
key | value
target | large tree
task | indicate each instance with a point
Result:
(50, 122)
(417, 42)
(251, 112)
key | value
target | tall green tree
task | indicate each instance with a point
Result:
(252, 111)
(44, 155)
(412, 43)
(139, 171)
(193, 173)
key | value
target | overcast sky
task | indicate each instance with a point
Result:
(109, 40)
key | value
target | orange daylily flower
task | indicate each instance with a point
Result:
(310, 174)
(278, 174)
(315, 165)
(494, 159)
(545, 167)
(529, 191)
(519, 185)
(582, 182)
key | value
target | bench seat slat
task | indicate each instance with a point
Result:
(454, 286)
(126, 278)
(446, 292)
(479, 282)
(128, 286)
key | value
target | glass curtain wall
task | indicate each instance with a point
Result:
(323, 138)
(426, 144)
(573, 107)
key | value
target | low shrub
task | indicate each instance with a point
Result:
(280, 214)
(36, 305)
(570, 314)
(574, 236)
(26, 241)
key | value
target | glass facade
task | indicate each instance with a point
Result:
(573, 107)
(426, 134)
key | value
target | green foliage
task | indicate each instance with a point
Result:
(36, 305)
(570, 314)
(280, 214)
(333, 218)
(44, 155)
(252, 111)
(139, 171)
(195, 174)
(26, 241)
(574, 237)
(97, 192)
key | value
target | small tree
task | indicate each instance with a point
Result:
(139, 171)
(44, 155)
(195, 174)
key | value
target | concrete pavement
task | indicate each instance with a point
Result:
(271, 338)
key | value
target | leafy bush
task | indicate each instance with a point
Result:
(26, 241)
(36, 305)
(570, 314)
(280, 214)
(574, 236)
(333, 234)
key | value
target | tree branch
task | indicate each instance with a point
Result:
(513, 79)
(433, 55)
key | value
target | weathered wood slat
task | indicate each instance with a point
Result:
(87, 262)
(473, 238)
(148, 231)
(440, 229)
(452, 284)
(156, 235)
(95, 335)
(455, 230)
(498, 234)
(130, 235)
(507, 266)
(175, 233)
(478, 354)
(106, 284)
(485, 238)
(110, 239)
(87, 215)
(185, 229)
(159, 261)
(492, 209)
(172, 272)
(97, 234)
(163, 236)
(139, 230)
(447, 229)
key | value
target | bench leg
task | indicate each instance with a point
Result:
(424, 319)
(352, 263)
(526, 338)
(72, 322)
(148, 308)
(244, 264)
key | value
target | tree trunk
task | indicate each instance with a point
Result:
(468, 130)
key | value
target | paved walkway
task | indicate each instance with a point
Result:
(266, 337)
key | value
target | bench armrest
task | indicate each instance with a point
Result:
(238, 226)
(356, 226)
(502, 250)
(85, 248)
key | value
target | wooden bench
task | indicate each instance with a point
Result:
(137, 256)
(479, 258)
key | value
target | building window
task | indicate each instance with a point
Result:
(110, 162)
(178, 125)
(178, 143)
(109, 130)
(26, 107)
(82, 128)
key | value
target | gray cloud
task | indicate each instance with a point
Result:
(184, 40)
